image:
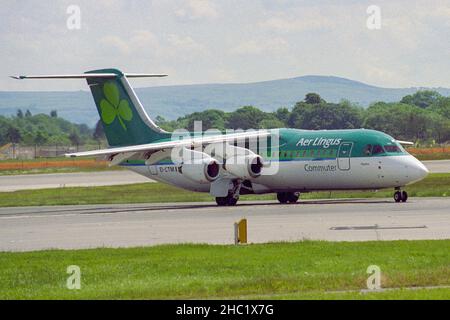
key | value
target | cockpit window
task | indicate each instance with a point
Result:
(377, 149)
(392, 149)
(368, 150)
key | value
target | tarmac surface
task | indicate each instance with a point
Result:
(75, 227)
(10, 183)
(438, 166)
(109, 178)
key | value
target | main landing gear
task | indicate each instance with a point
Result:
(400, 196)
(233, 195)
(288, 197)
(229, 200)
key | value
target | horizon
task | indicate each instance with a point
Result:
(223, 83)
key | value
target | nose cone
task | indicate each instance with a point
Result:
(416, 170)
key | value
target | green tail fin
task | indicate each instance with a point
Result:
(124, 119)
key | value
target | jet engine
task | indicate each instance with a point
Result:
(245, 166)
(198, 166)
(240, 162)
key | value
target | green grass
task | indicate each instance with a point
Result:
(307, 269)
(57, 170)
(68, 169)
(41, 159)
(394, 294)
(435, 185)
(433, 156)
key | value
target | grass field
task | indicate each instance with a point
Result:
(436, 153)
(394, 294)
(307, 270)
(53, 165)
(434, 156)
(435, 185)
(57, 170)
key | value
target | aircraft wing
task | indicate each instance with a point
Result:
(187, 142)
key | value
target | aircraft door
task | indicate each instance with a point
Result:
(343, 159)
(153, 170)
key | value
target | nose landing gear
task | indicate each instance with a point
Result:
(400, 196)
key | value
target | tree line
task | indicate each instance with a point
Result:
(423, 117)
(42, 129)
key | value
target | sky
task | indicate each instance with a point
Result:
(226, 41)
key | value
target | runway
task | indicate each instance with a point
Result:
(77, 179)
(438, 166)
(73, 227)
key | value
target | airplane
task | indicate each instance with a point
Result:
(284, 161)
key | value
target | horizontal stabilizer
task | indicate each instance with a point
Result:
(90, 76)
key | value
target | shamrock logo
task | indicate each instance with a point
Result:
(113, 107)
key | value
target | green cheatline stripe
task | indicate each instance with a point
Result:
(142, 162)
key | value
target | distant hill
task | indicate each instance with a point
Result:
(174, 101)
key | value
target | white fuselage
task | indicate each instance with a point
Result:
(310, 175)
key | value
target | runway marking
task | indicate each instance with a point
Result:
(101, 210)
(376, 227)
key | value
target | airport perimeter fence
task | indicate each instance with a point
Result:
(12, 151)
(23, 157)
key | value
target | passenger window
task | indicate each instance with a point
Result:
(377, 149)
(368, 150)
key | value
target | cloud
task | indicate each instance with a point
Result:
(196, 9)
(138, 41)
(261, 46)
(209, 41)
(299, 23)
(184, 43)
(116, 42)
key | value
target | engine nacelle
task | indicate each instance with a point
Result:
(204, 171)
(197, 166)
(245, 166)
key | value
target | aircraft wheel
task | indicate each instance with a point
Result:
(222, 201)
(232, 201)
(282, 197)
(398, 196)
(404, 196)
(226, 201)
(292, 197)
